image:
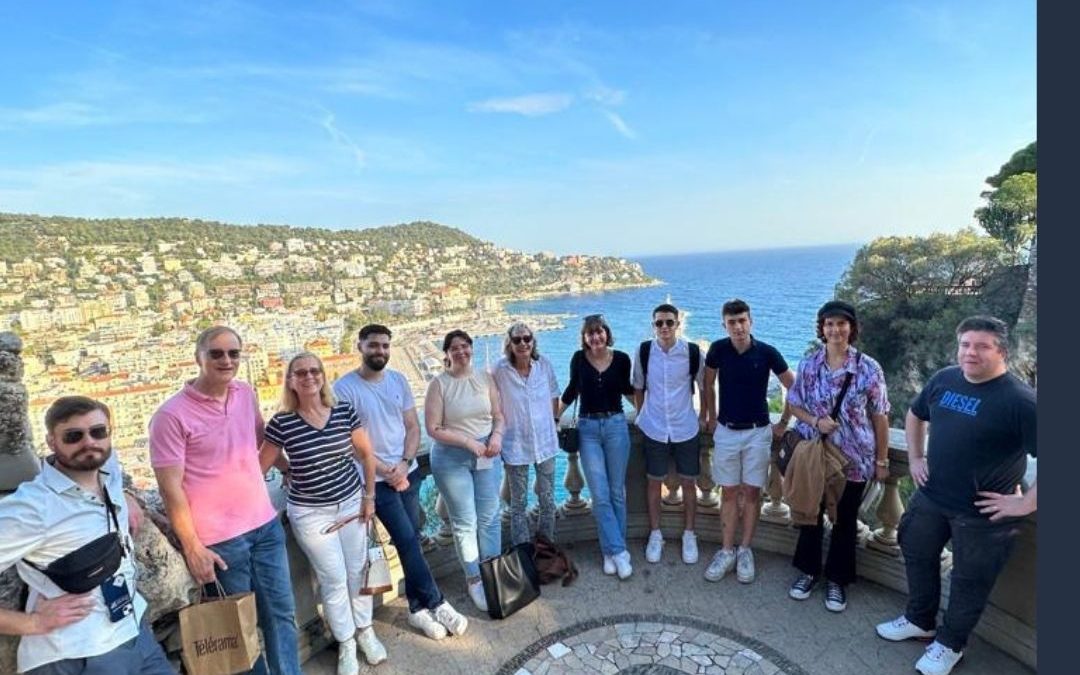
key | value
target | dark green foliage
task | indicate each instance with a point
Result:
(911, 293)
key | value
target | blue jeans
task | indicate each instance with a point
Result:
(472, 498)
(399, 512)
(605, 451)
(258, 562)
(141, 655)
(980, 550)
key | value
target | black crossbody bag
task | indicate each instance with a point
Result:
(88, 566)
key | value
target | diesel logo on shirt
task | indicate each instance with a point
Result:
(968, 405)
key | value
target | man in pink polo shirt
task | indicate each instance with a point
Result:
(204, 447)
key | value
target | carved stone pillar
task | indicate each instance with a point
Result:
(574, 484)
(773, 508)
(672, 499)
(705, 483)
(889, 512)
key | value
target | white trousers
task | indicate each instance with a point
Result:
(338, 560)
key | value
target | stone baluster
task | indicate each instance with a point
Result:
(672, 499)
(705, 481)
(445, 535)
(774, 510)
(888, 512)
(574, 484)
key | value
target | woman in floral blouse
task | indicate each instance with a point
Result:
(861, 431)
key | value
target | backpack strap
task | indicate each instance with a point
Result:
(644, 349)
(695, 363)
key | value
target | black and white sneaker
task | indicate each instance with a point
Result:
(801, 588)
(835, 597)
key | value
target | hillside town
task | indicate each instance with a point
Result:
(116, 320)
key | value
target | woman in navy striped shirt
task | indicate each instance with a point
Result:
(321, 438)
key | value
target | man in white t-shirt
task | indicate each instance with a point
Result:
(384, 403)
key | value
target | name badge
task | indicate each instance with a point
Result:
(117, 598)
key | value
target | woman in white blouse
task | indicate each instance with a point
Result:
(530, 403)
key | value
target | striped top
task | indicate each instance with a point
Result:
(321, 467)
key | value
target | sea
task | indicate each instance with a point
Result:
(783, 286)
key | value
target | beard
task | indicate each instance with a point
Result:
(376, 363)
(87, 459)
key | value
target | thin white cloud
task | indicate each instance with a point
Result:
(80, 114)
(342, 139)
(620, 125)
(530, 105)
(606, 95)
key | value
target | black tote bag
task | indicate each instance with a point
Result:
(510, 581)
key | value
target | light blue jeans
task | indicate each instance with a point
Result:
(605, 451)
(472, 498)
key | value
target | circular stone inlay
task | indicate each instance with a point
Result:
(652, 644)
(649, 669)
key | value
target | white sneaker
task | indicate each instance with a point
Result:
(655, 548)
(374, 651)
(721, 564)
(476, 592)
(938, 660)
(901, 629)
(744, 565)
(609, 565)
(689, 547)
(427, 624)
(450, 619)
(622, 564)
(346, 658)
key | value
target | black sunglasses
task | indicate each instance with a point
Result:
(660, 323)
(216, 354)
(98, 432)
(518, 339)
(304, 372)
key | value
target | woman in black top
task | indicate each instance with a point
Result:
(600, 376)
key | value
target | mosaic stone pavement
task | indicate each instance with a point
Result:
(648, 645)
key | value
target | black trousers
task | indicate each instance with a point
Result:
(840, 564)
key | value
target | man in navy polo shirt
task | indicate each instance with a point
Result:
(741, 431)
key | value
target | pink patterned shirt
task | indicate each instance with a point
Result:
(815, 390)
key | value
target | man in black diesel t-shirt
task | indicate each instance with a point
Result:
(983, 420)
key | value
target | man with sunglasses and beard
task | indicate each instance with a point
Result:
(58, 513)
(665, 375)
(385, 406)
(204, 448)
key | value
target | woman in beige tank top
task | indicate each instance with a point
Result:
(463, 417)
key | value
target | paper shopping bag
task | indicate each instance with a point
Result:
(220, 635)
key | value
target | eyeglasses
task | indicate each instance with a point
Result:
(518, 339)
(301, 373)
(660, 323)
(216, 354)
(98, 432)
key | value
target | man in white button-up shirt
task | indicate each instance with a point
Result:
(59, 511)
(663, 395)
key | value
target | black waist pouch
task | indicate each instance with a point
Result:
(88, 566)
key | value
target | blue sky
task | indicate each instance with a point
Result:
(602, 127)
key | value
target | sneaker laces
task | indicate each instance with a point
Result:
(936, 651)
(835, 593)
(804, 582)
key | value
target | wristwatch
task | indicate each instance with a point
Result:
(883, 462)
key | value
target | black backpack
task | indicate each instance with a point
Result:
(695, 362)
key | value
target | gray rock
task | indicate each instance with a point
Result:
(12, 596)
